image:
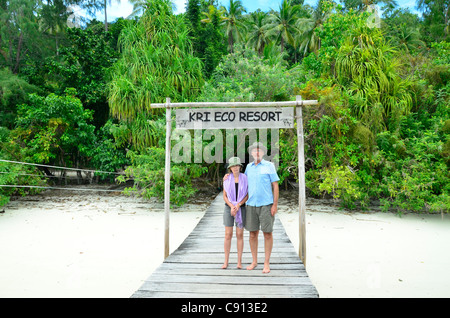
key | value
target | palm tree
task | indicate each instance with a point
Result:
(283, 24)
(138, 7)
(309, 40)
(436, 13)
(209, 16)
(105, 2)
(273, 55)
(364, 5)
(257, 29)
(407, 37)
(232, 19)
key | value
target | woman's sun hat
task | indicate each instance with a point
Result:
(234, 161)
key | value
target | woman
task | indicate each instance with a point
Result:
(235, 195)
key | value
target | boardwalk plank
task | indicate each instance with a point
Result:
(194, 269)
(219, 290)
(235, 280)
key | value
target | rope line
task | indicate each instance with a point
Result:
(56, 167)
(56, 188)
(48, 166)
(31, 175)
(46, 176)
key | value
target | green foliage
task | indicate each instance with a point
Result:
(244, 76)
(14, 174)
(233, 22)
(156, 62)
(380, 131)
(55, 129)
(404, 166)
(442, 52)
(83, 64)
(368, 70)
(107, 154)
(283, 23)
(342, 183)
(403, 29)
(147, 171)
(414, 175)
(288, 165)
(207, 38)
(20, 39)
(337, 144)
(13, 91)
(436, 23)
(310, 27)
(258, 31)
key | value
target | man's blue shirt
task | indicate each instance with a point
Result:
(260, 178)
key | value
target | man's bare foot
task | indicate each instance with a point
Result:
(266, 269)
(239, 266)
(251, 266)
(225, 265)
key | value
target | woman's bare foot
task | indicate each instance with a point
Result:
(225, 265)
(251, 266)
(266, 269)
(239, 266)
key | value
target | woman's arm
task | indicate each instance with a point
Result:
(228, 202)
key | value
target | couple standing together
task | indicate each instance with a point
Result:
(251, 200)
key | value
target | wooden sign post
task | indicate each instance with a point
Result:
(167, 178)
(281, 115)
(301, 183)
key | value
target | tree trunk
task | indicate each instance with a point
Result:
(230, 41)
(19, 47)
(106, 17)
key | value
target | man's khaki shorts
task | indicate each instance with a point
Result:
(259, 218)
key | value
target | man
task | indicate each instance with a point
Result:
(262, 203)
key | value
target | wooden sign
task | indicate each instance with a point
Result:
(273, 115)
(223, 118)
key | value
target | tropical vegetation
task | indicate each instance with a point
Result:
(77, 93)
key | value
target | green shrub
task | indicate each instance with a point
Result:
(55, 129)
(147, 170)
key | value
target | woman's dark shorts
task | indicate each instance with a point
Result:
(228, 220)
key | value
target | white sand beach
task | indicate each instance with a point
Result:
(373, 254)
(62, 244)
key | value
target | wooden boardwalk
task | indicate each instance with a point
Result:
(194, 269)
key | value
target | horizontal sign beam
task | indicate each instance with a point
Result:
(236, 104)
(222, 118)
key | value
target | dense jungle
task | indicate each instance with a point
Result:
(77, 93)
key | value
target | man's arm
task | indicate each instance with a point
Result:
(243, 200)
(276, 193)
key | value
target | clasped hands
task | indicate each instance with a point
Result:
(234, 209)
